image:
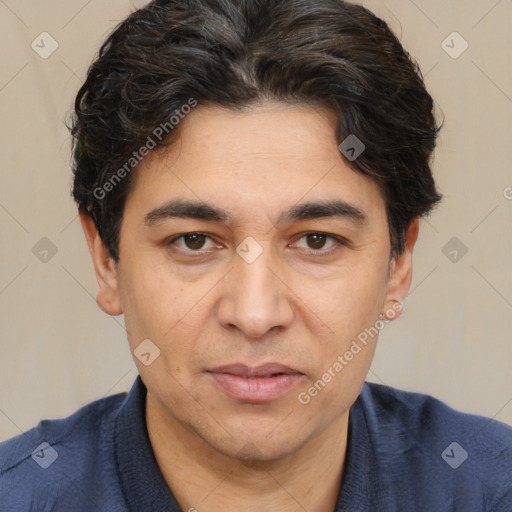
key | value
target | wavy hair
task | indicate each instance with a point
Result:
(234, 53)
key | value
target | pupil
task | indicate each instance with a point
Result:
(319, 242)
(194, 241)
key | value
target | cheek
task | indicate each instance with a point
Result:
(159, 306)
(151, 301)
(352, 301)
(352, 312)
(153, 311)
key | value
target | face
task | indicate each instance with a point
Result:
(255, 302)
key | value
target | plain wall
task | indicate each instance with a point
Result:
(60, 351)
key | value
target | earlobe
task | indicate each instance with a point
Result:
(400, 275)
(105, 268)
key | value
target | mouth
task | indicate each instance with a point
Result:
(259, 384)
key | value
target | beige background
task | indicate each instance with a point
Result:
(59, 351)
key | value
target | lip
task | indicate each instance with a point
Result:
(256, 384)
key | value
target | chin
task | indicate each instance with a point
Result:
(256, 446)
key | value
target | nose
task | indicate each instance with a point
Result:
(256, 298)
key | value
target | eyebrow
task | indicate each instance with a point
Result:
(181, 208)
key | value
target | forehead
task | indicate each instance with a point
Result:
(266, 131)
(271, 154)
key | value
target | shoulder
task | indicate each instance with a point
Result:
(431, 445)
(57, 454)
(425, 414)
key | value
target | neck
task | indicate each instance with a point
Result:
(204, 480)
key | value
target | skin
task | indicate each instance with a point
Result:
(288, 306)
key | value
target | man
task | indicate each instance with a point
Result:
(250, 175)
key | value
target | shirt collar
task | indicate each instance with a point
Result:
(144, 486)
(358, 487)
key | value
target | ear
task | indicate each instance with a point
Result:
(400, 275)
(104, 267)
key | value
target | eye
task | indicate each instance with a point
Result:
(316, 242)
(195, 242)
(191, 242)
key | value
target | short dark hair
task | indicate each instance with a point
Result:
(234, 54)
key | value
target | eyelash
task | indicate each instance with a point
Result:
(339, 242)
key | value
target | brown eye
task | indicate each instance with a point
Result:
(320, 243)
(190, 242)
(316, 240)
(194, 241)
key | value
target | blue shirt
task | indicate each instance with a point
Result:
(405, 452)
